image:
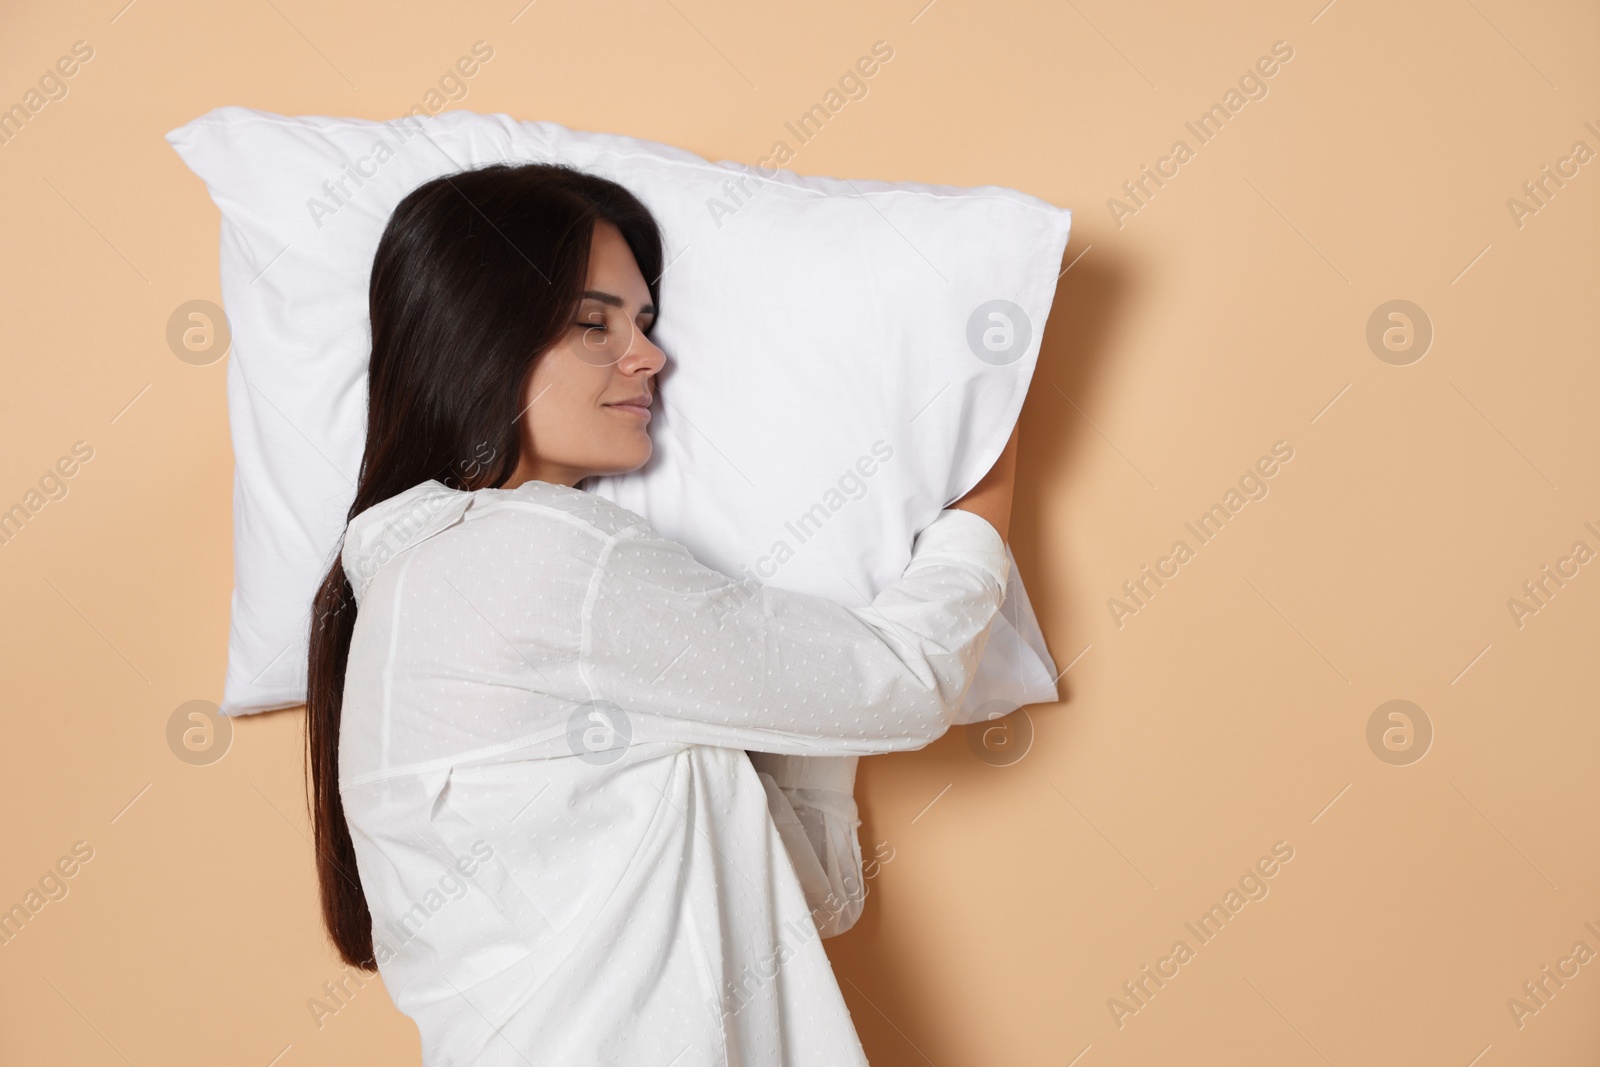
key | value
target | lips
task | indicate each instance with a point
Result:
(638, 406)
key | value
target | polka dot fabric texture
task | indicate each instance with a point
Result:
(568, 855)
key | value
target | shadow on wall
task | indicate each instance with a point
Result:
(1089, 297)
(1090, 294)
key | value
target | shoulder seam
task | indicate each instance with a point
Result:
(564, 516)
(585, 617)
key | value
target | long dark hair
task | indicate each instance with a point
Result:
(476, 274)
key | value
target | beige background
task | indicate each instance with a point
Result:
(1227, 313)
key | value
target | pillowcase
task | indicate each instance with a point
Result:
(849, 357)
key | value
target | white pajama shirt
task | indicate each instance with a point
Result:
(569, 856)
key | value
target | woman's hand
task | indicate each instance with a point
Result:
(991, 497)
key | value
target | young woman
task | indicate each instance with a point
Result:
(528, 713)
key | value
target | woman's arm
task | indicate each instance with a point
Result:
(690, 654)
(991, 497)
(812, 798)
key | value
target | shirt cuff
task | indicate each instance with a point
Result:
(965, 536)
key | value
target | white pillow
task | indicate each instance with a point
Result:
(853, 351)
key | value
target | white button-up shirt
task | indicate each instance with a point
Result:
(568, 855)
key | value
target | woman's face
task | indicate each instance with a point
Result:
(587, 408)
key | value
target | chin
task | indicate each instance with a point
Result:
(627, 460)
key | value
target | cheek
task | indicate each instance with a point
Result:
(546, 406)
(553, 423)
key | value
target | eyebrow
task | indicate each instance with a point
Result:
(614, 301)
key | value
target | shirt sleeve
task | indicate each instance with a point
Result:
(690, 654)
(813, 804)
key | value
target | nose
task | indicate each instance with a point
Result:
(643, 355)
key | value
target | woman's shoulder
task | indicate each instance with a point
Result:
(563, 506)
